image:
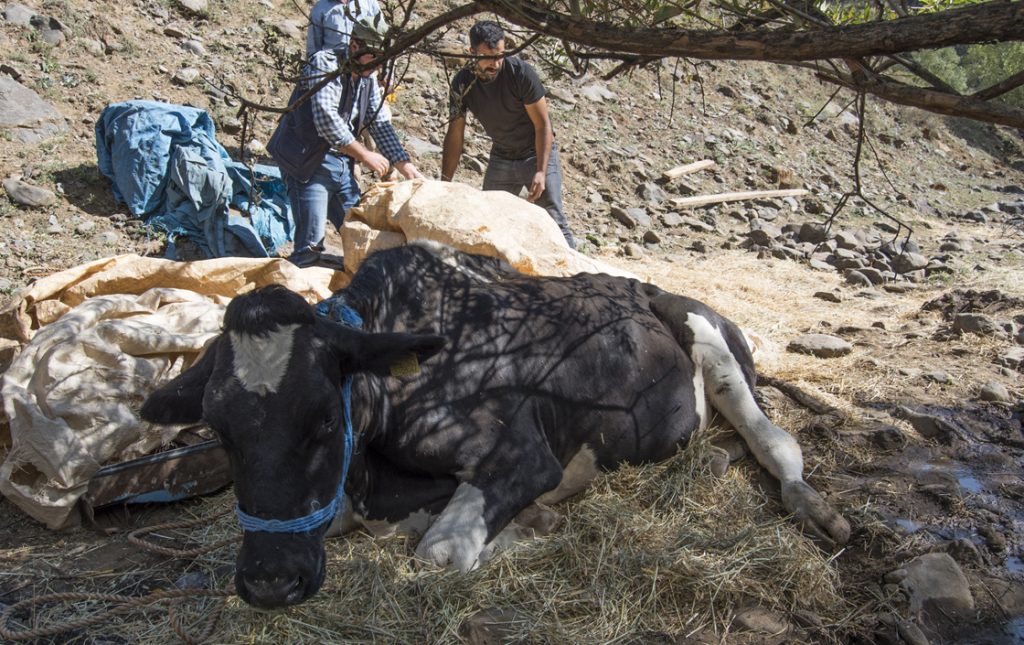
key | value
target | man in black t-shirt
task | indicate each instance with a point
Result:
(507, 97)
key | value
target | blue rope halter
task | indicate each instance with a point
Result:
(333, 308)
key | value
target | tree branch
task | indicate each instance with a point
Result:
(924, 74)
(1000, 88)
(981, 23)
(931, 100)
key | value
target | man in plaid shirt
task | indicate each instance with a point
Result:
(341, 110)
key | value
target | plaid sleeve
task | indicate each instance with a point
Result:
(326, 117)
(382, 131)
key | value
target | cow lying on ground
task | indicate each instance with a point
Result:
(511, 389)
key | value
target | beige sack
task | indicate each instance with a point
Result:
(71, 397)
(492, 223)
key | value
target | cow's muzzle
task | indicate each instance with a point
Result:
(275, 570)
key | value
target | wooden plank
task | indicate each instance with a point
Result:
(719, 198)
(686, 169)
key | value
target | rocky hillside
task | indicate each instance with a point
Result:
(919, 439)
(765, 127)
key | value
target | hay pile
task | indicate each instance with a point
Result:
(649, 553)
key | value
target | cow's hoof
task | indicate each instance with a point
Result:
(719, 463)
(814, 514)
(449, 551)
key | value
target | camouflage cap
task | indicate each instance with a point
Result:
(370, 30)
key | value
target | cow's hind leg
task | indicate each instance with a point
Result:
(774, 448)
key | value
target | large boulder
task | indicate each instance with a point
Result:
(25, 116)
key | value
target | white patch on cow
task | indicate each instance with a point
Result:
(773, 447)
(344, 521)
(576, 476)
(415, 525)
(262, 360)
(459, 535)
(700, 397)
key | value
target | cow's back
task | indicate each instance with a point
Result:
(581, 359)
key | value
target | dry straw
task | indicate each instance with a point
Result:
(664, 549)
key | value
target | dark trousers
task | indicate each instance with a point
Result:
(512, 175)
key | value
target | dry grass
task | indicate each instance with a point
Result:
(660, 549)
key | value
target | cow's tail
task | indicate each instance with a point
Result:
(675, 311)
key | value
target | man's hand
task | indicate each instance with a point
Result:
(375, 161)
(408, 170)
(536, 186)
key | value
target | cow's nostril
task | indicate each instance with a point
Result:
(294, 592)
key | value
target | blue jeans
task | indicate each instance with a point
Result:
(512, 175)
(328, 195)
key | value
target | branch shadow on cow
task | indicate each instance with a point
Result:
(475, 392)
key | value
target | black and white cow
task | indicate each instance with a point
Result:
(510, 389)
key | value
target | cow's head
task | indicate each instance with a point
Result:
(270, 386)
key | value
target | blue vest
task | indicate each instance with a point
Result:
(297, 147)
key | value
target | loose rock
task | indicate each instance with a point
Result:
(632, 250)
(929, 426)
(195, 6)
(820, 345)
(290, 29)
(27, 194)
(597, 93)
(857, 278)
(812, 232)
(972, 323)
(828, 296)
(623, 216)
(492, 626)
(24, 115)
(907, 262)
(185, 76)
(760, 620)
(996, 392)
(937, 588)
(18, 14)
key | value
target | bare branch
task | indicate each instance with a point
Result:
(1000, 88)
(924, 74)
(981, 23)
(931, 100)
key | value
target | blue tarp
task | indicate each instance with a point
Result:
(166, 165)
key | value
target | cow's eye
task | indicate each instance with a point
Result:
(329, 425)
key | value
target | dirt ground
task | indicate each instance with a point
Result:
(951, 483)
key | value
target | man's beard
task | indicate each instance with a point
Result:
(486, 75)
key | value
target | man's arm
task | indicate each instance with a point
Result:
(329, 124)
(383, 133)
(453, 142)
(542, 140)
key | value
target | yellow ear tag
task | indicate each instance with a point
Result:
(407, 365)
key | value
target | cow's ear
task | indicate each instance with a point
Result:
(180, 400)
(385, 353)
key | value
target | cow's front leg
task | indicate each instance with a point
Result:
(481, 508)
(777, 451)
(459, 535)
